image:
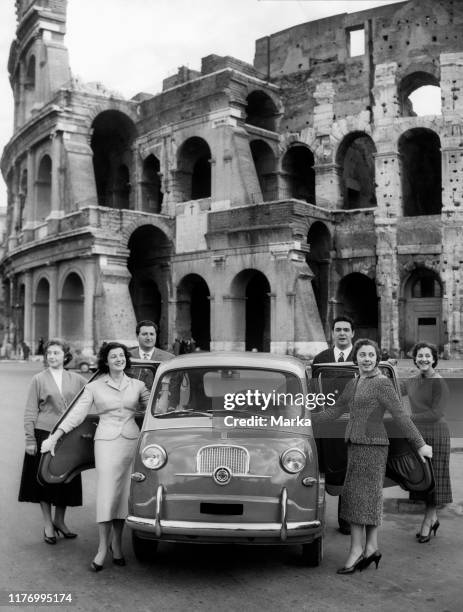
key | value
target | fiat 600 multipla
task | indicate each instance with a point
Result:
(227, 454)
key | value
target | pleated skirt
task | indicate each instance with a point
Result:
(438, 436)
(113, 460)
(362, 493)
(30, 490)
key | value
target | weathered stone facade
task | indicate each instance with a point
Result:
(244, 206)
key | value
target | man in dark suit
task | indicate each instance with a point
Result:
(342, 332)
(146, 332)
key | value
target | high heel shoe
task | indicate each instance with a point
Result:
(422, 539)
(95, 567)
(373, 558)
(49, 539)
(350, 570)
(66, 534)
(120, 561)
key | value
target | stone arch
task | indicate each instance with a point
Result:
(250, 290)
(355, 157)
(411, 84)
(421, 172)
(43, 188)
(152, 194)
(149, 255)
(161, 224)
(357, 297)
(421, 308)
(298, 173)
(112, 138)
(193, 175)
(319, 259)
(193, 320)
(261, 111)
(41, 309)
(265, 164)
(71, 308)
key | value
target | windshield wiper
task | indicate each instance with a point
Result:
(182, 413)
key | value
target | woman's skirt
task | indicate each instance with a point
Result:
(30, 490)
(362, 493)
(113, 460)
(437, 435)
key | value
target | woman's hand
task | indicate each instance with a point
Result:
(31, 448)
(425, 451)
(49, 444)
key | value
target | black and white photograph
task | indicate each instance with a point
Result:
(231, 305)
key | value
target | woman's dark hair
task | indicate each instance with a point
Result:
(365, 342)
(431, 347)
(62, 344)
(104, 352)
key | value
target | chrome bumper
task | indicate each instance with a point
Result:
(282, 530)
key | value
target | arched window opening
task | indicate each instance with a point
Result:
(257, 320)
(318, 260)
(358, 298)
(421, 309)
(261, 111)
(151, 185)
(356, 159)
(265, 163)
(193, 313)
(421, 172)
(298, 174)
(43, 184)
(30, 73)
(72, 308)
(194, 170)
(112, 138)
(41, 310)
(419, 95)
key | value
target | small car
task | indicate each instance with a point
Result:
(220, 460)
(84, 361)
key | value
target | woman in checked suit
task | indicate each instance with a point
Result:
(49, 394)
(117, 399)
(366, 398)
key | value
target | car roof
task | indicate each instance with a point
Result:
(239, 359)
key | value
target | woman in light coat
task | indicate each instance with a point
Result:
(117, 399)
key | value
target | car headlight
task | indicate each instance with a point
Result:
(153, 456)
(293, 460)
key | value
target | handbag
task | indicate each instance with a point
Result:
(405, 466)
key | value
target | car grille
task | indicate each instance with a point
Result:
(235, 458)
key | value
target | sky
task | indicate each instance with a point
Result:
(132, 45)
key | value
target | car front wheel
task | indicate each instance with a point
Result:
(84, 368)
(312, 554)
(144, 550)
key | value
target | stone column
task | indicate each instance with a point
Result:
(388, 183)
(29, 212)
(388, 281)
(53, 302)
(56, 211)
(89, 313)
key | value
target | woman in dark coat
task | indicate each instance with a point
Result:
(428, 395)
(49, 394)
(366, 398)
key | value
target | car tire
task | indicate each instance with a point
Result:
(144, 550)
(84, 368)
(312, 554)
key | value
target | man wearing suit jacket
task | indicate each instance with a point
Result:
(146, 332)
(342, 332)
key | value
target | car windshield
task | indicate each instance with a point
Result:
(204, 391)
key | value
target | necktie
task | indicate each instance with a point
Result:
(146, 355)
(341, 357)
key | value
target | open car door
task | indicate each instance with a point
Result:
(74, 451)
(404, 466)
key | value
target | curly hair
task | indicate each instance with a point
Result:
(62, 344)
(365, 342)
(104, 352)
(431, 347)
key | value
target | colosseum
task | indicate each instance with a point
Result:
(244, 206)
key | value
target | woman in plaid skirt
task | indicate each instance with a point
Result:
(428, 394)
